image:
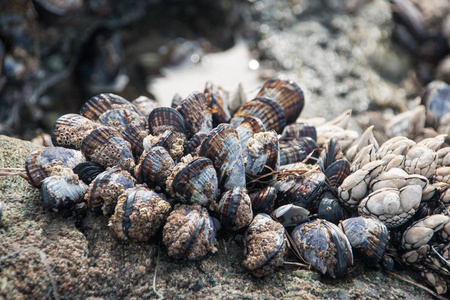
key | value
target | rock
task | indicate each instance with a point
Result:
(44, 255)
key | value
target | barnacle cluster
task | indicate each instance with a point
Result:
(259, 170)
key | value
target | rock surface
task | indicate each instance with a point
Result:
(44, 255)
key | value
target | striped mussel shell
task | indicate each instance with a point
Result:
(324, 246)
(248, 128)
(193, 145)
(172, 141)
(135, 135)
(196, 182)
(288, 94)
(296, 150)
(337, 172)
(263, 200)
(70, 130)
(100, 104)
(266, 109)
(104, 190)
(145, 105)
(235, 209)
(107, 147)
(140, 213)
(301, 189)
(223, 148)
(87, 171)
(330, 208)
(262, 153)
(196, 113)
(368, 236)
(176, 100)
(189, 232)
(265, 245)
(331, 153)
(298, 130)
(165, 118)
(154, 167)
(217, 99)
(40, 163)
(62, 191)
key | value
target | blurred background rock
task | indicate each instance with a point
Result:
(364, 55)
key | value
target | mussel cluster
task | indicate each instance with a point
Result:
(201, 166)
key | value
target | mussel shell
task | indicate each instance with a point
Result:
(196, 114)
(120, 117)
(99, 104)
(301, 190)
(290, 215)
(235, 209)
(263, 201)
(262, 153)
(107, 147)
(436, 100)
(189, 232)
(172, 141)
(330, 208)
(176, 100)
(288, 94)
(70, 130)
(217, 100)
(248, 128)
(165, 118)
(337, 172)
(88, 171)
(104, 190)
(140, 213)
(135, 135)
(197, 183)
(62, 192)
(296, 150)
(145, 105)
(298, 130)
(194, 143)
(265, 245)
(222, 146)
(267, 110)
(38, 164)
(154, 167)
(368, 237)
(324, 246)
(331, 153)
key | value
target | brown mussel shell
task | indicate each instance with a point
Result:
(337, 172)
(196, 183)
(235, 209)
(288, 94)
(267, 110)
(154, 167)
(104, 190)
(99, 104)
(39, 163)
(265, 245)
(222, 146)
(107, 147)
(298, 130)
(196, 114)
(140, 213)
(368, 237)
(296, 150)
(70, 130)
(263, 201)
(324, 246)
(217, 100)
(189, 232)
(135, 135)
(194, 143)
(165, 118)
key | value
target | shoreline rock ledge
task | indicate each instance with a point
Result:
(44, 255)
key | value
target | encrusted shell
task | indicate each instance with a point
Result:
(62, 191)
(324, 246)
(107, 147)
(154, 167)
(140, 213)
(189, 232)
(121, 117)
(266, 109)
(235, 209)
(265, 245)
(39, 163)
(222, 146)
(196, 114)
(248, 128)
(172, 141)
(368, 237)
(288, 94)
(70, 130)
(106, 188)
(262, 153)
